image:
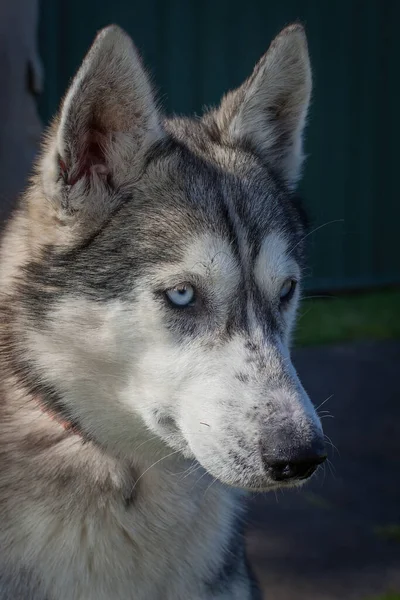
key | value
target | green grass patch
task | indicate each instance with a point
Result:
(372, 315)
(388, 532)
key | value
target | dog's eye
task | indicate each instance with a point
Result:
(181, 296)
(287, 290)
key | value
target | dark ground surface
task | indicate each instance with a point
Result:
(338, 538)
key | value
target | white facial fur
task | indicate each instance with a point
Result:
(126, 377)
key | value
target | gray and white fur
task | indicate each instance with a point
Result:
(176, 410)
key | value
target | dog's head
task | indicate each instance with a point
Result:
(165, 278)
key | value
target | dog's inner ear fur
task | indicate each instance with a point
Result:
(268, 112)
(108, 118)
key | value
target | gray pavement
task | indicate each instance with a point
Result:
(338, 538)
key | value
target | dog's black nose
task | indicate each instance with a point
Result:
(301, 469)
(288, 459)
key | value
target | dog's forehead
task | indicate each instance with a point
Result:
(231, 221)
(216, 187)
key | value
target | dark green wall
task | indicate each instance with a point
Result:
(196, 50)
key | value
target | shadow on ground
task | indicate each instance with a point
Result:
(338, 538)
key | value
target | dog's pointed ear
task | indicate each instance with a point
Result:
(108, 117)
(268, 112)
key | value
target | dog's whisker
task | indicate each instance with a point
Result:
(208, 487)
(330, 443)
(194, 470)
(149, 440)
(324, 474)
(193, 465)
(331, 468)
(190, 471)
(151, 466)
(199, 479)
(325, 401)
(303, 314)
(313, 231)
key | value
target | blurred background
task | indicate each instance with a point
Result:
(339, 538)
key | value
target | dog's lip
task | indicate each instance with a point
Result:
(268, 487)
(278, 486)
(265, 485)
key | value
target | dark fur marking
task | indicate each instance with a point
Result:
(251, 346)
(237, 319)
(160, 150)
(131, 494)
(243, 377)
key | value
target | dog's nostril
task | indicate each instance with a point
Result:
(284, 471)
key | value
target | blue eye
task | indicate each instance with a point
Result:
(287, 290)
(181, 296)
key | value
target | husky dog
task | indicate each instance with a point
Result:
(149, 281)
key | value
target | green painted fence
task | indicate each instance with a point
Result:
(196, 50)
